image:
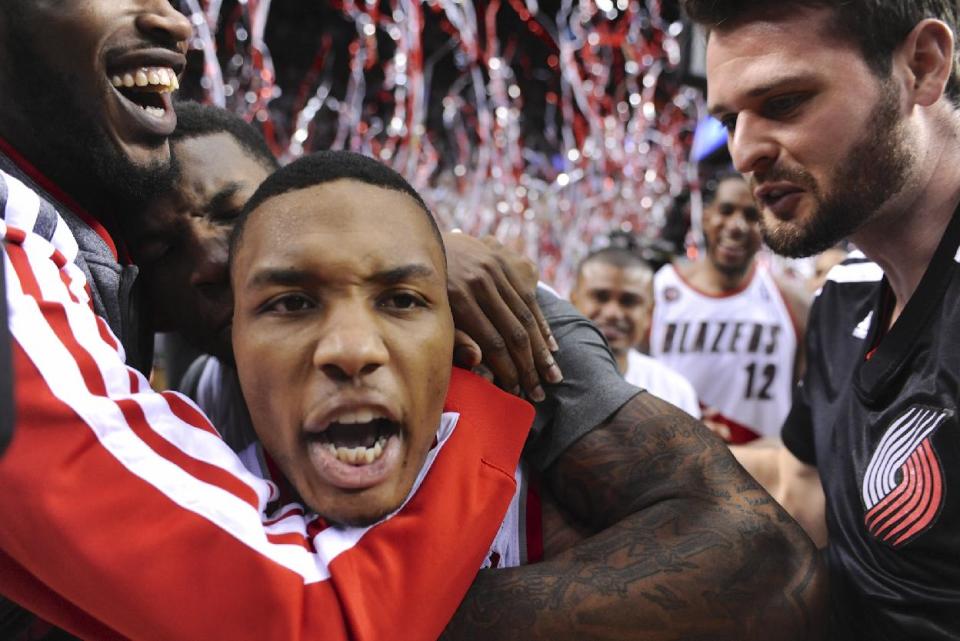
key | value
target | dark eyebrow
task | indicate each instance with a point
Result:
(290, 277)
(403, 273)
(219, 201)
(279, 276)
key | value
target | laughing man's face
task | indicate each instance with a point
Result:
(91, 81)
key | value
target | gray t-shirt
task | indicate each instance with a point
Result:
(591, 391)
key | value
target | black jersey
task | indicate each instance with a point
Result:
(877, 415)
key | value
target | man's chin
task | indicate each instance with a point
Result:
(733, 269)
(148, 157)
(358, 517)
(794, 241)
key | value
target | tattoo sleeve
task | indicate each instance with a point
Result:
(685, 546)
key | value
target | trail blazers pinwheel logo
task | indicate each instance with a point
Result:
(903, 487)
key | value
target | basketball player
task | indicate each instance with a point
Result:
(727, 325)
(614, 289)
(844, 118)
(125, 515)
(332, 302)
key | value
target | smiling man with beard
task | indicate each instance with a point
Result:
(844, 116)
(614, 289)
(727, 325)
(125, 515)
(93, 150)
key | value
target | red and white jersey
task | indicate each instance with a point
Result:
(125, 516)
(737, 349)
(518, 540)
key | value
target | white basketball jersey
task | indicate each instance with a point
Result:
(736, 349)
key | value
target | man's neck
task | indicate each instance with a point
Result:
(903, 238)
(621, 357)
(705, 276)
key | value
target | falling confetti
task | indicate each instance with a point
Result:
(546, 128)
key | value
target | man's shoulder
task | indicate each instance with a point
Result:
(27, 210)
(662, 380)
(638, 361)
(856, 269)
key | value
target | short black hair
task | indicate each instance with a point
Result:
(712, 186)
(878, 27)
(618, 257)
(323, 167)
(195, 120)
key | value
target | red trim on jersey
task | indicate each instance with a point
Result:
(132, 412)
(290, 511)
(15, 235)
(727, 294)
(106, 334)
(66, 283)
(21, 265)
(739, 433)
(51, 188)
(187, 413)
(134, 381)
(534, 525)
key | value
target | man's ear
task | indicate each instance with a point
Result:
(927, 55)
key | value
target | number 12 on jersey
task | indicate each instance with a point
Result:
(759, 381)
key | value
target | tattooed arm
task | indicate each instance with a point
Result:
(689, 547)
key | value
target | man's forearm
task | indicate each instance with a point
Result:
(690, 547)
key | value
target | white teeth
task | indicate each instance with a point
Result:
(358, 455)
(356, 416)
(162, 77)
(156, 112)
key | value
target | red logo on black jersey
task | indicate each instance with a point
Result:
(903, 487)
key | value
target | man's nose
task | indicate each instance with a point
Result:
(164, 24)
(350, 345)
(737, 223)
(210, 273)
(611, 311)
(751, 148)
